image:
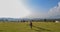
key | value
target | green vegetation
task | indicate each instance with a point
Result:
(24, 27)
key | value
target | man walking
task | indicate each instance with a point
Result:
(31, 24)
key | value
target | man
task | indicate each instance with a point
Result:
(31, 24)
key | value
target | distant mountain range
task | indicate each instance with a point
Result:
(9, 19)
(19, 19)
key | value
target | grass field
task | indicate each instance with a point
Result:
(24, 27)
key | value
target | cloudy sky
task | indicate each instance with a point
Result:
(30, 8)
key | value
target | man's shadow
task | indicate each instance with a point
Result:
(41, 29)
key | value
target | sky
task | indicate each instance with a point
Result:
(30, 8)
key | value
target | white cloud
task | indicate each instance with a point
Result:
(13, 8)
(38, 15)
(59, 4)
(55, 11)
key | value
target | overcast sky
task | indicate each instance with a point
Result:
(13, 9)
(30, 8)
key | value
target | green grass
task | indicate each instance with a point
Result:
(24, 27)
